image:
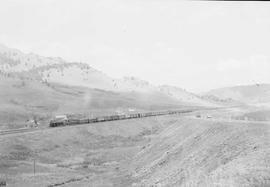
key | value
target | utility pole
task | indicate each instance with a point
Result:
(34, 167)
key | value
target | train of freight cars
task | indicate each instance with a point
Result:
(64, 120)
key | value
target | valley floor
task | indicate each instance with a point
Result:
(178, 150)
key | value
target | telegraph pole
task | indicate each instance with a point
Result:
(34, 167)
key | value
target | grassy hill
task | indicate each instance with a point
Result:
(251, 94)
(32, 67)
(23, 99)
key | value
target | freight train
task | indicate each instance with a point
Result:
(64, 120)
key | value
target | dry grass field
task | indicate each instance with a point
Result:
(158, 151)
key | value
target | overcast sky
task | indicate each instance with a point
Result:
(194, 45)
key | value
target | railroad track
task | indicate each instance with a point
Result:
(19, 131)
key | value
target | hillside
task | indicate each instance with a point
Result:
(185, 96)
(13, 60)
(206, 153)
(157, 151)
(22, 100)
(258, 94)
(46, 70)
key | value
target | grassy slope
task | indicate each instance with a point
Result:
(259, 115)
(21, 100)
(250, 94)
(197, 152)
(161, 151)
(99, 151)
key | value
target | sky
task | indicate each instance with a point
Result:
(196, 45)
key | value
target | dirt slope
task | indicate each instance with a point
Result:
(197, 152)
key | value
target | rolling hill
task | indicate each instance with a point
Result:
(44, 86)
(258, 94)
(23, 100)
(14, 63)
